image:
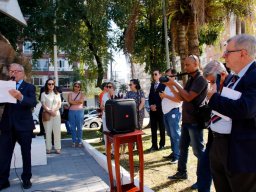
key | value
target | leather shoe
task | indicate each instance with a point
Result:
(27, 184)
(178, 176)
(4, 185)
(161, 147)
(194, 186)
(153, 149)
(168, 156)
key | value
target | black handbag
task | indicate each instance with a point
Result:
(65, 114)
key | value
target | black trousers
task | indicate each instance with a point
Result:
(224, 180)
(7, 144)
(42, 131)
(156, 121)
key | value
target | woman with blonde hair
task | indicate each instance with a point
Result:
(76, 114)
(51, 102)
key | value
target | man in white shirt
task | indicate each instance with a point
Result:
(170, 107)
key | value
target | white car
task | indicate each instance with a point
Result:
(35, 113)
(92, 122)
(92, 113)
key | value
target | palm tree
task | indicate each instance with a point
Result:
(190, 15)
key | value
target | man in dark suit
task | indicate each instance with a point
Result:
(17, 126)
(233, 152)
(156, 113)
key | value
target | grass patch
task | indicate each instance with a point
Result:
(156, 168)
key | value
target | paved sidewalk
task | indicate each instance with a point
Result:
(73, 170)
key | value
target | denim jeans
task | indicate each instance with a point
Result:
(171, 122)
(76, 119)
(204, 180)
(67, 124)
(190, 134)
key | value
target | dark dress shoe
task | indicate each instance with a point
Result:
(161, 147)
(27, 184)
(168, 156)
(153, 149)
(178, 176)
(4, 185)
(194, 186)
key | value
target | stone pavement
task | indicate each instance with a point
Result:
(73, 170)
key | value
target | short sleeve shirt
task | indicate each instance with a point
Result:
(197, 84)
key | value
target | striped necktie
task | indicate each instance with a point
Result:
(216, 118)
(233, 81)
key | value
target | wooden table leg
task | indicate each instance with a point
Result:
(141, 160)
(108, 153)
(131, 163)
(117, 164)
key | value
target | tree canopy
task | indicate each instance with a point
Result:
(82, 28)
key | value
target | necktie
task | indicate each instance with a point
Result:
(155, 86)
(233, 81)
(216, 118)
(17, 86)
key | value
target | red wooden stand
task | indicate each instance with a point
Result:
(117, 140)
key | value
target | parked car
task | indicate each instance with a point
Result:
(93, 113)
(92, 122)
(147, 108)
(35, 113)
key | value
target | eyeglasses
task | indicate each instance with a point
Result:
(212, 82)
(50, 84)
(155, 74)
(130, 85)
(109, 87)
(232, 51)
(14, 71)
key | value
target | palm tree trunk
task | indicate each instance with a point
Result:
(173, 53)
(182, 46)
(193, 42)
(238, 25)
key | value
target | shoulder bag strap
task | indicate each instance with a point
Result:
(75, 98)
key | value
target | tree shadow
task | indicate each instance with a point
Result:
(171, 182)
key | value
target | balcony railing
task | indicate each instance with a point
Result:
(40, 68)
(51, 68)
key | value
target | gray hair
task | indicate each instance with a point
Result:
(17, 65)
(245, 41)
(213, 68)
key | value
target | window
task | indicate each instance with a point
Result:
(37, 81)
(27, 47)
